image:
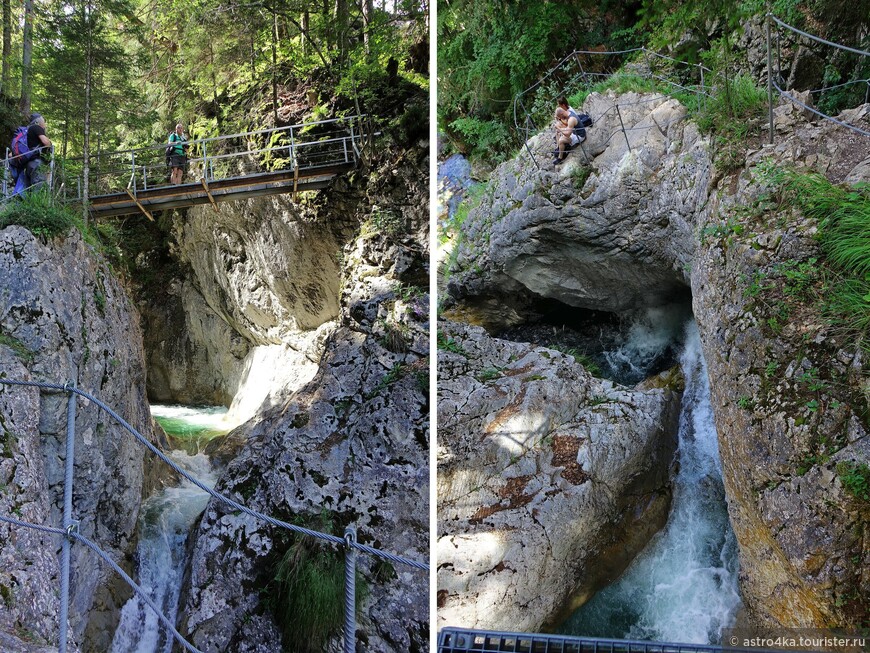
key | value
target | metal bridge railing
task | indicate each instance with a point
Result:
(462, 640)
(301, 146)
(69, 531)
(294, 147)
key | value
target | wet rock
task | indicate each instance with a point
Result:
(549, 480)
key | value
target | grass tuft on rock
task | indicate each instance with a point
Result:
(843, 216)
(309, 601)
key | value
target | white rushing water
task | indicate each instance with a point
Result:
(683, 586)
(649, 336)
(165, 521)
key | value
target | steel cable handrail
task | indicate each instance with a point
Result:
(817, 38)
(108, 560)
(213, 493)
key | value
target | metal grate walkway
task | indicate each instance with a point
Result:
(460, 640)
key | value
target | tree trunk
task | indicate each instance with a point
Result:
(275, 65)
(368, 12)
(27, 58)
(7, 46)
(306, 20)
(340, 23)
(89, 78)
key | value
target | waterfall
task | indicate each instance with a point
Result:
(683, 586)
(165, 521)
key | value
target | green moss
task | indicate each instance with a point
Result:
(18, 348)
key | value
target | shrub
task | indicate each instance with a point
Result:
(36, 212)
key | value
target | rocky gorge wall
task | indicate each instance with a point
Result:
(258, 277)
(549, 480)
(63, 317)
(614, 228)
(352, 444)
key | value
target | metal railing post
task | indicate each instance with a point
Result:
(624, 133)
(205, 170)
(133, 167)
(67, 515)
(769, 79)
(349, 590)
(292, 148)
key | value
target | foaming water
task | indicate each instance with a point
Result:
(644, 342)
(683, 586)
(165, 521)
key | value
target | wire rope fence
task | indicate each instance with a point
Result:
(692, 83)
(69, 532)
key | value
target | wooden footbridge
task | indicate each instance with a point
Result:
(290, 159)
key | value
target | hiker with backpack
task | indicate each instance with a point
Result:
(28, 147)
(570, 128)
(565, 134)
(176, 152)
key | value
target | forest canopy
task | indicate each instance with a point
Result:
(114, 74)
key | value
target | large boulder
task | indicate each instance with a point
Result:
(549, 480)
(66, 318)
(612, 228)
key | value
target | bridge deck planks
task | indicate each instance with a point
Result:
(233, 188)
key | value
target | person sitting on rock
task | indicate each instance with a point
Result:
(565, 134)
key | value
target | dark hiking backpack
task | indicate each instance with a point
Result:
(21, 152)
(583, 120)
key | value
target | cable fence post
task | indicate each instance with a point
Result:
(622, 125)
(349, 590)
(68, 524)
(769, 79)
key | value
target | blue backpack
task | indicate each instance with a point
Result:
(21, 152)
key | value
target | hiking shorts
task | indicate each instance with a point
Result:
(178, 161)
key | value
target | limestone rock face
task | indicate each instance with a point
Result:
(261, 267)
(609, 229)
(255, 274)
(549, 480)
(788, 398)
(68, 319)
(28, 566)
(348, 448)
(789, 395)
(192, 354)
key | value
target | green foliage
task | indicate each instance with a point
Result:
(855, 477)
(745, 402)
(581, 358)
(447, 343)
(36, 212)
(579, 175)
(489, 374)
(843, 216)
(731, 116)
(388, 222)
(309, 583)
(18, 348)
(485, 136)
